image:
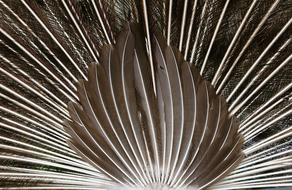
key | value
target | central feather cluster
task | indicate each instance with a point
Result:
(179, 134)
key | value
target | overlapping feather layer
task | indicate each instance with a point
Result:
(242, 47)
(178, 135)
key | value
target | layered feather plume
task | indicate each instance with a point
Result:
(136, 138)
(142, 113)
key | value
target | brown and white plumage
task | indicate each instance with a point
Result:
(110, 94)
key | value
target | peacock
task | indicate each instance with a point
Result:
(145, 94)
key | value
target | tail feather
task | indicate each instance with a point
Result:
(142, 112)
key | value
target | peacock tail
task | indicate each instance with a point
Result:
(145, 94)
